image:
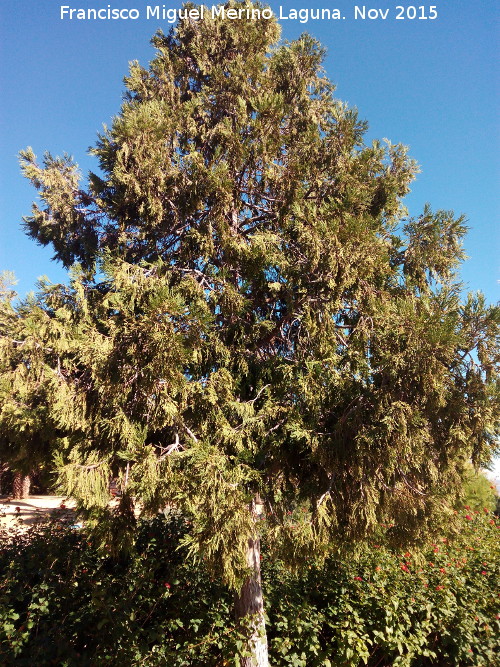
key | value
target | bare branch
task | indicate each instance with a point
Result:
(259, 393)
(190, 433)
(412, 488)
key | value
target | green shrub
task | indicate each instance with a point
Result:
(379, 608)
(64, 602)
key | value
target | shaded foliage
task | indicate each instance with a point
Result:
(64, 601)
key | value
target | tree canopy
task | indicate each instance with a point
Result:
(251, 312)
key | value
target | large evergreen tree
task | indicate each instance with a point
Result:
(253, 322)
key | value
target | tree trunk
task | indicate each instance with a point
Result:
(21, 486)
(249, 604)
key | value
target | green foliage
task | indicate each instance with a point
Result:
(251, 313)
(64, 601)
(478, 492)
(383, 606)
(27, 379)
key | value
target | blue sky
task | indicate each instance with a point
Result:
(430, 84)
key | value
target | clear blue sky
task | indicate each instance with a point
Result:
(431, 84)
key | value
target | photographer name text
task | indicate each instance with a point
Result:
(302, 15)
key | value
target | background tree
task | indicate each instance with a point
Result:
(28, 377)
(255, 317)
(479, 492)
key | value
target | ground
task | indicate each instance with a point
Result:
(18, 515)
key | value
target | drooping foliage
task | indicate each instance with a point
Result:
(28, 381)
(156, 609)
(253, 312)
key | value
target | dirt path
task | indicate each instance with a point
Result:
(20, 514)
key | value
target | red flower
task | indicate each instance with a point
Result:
(404, 568)
(439, 588)
(358, 578)
(484, 572)
(166, 584)
(441, 569)
(468, 517)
